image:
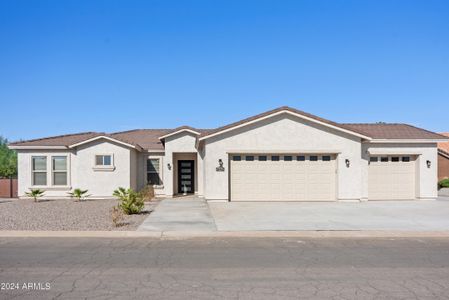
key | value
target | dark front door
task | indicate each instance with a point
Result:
(186, 176)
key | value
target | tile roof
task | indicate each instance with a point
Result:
(392, 131)
(149, 138)
(444, 147)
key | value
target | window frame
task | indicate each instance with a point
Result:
(158, 172)
(33, 171)
(53, 171)
(110, 167)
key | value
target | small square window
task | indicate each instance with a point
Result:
(373, 159)
(287, 158)
(300, 158)
(262, 158)
(313, 158)
(237, 158)
(384, 159)
(249, 158)
(103, 160)
(326, 158)
(406, 158)
(275, 158)
(395, 159)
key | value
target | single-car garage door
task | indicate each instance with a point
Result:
(273, 177)
(392, 177)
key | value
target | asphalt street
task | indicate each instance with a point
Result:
(231, 268)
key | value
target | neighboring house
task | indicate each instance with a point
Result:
(280, 155)
(443, 158)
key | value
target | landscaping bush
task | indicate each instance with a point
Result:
(444, 183)
(79, 194)
(147, 193)
(35, 194)
(131, 202)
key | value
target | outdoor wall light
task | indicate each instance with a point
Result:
(220, 167)
(347, 162)
(169, 166)
(429, 163)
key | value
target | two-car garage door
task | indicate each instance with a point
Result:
(283, 177)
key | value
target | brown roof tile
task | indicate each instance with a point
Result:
(149, 138)
(392, 131)
(445, 145)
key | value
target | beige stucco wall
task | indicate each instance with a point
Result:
(426, 178)
(284, 133)
(181, 143)
(81, 171)
(24, 171)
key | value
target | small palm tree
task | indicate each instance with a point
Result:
(35, 194)
(79, 194)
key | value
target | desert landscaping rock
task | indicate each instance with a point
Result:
(65, 214)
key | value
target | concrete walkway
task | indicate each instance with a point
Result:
(180, 214)
(432, 215)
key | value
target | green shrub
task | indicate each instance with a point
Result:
(444, 183)
(78, 194)
(35, 194)
(131, 202)
(147, 193)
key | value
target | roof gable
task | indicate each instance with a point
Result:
(275, 112)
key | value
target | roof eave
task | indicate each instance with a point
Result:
(179, 131)
(30, 147)
(380, 141)
(137, 147)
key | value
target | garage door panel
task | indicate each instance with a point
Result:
(283, 179)
(394, 178)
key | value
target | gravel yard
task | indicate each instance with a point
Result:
(65, 214)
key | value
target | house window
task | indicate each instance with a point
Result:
(275, 158)
(262, 158)
(249, 158)
(313, 158)
(103, 160)
(237, 158)
(59, 170)
(153, 171)
(406, 158)
(39, 170)
(287, 158)
(300, 158)
(326, 158)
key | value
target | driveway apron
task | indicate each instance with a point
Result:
(180, 214)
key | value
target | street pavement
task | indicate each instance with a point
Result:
(224, 268)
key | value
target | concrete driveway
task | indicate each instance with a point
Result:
(375, 215)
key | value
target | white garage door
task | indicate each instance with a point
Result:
(273, 177)
(392, 178)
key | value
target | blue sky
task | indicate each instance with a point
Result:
(74, 66)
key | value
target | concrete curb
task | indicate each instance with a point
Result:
(223, 234)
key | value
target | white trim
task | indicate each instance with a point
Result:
(281, 112)
(36, 147)
(179, 131)
(442, 153)
(102, 137)
(393, 152)
(420, 141)
(284, 151)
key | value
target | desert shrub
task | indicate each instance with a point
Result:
(117, 216)
(79, 194)
(444, 183)
(131, 202)
(35, 194)
(147, 193)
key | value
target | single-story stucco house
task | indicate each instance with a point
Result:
(280, 155)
